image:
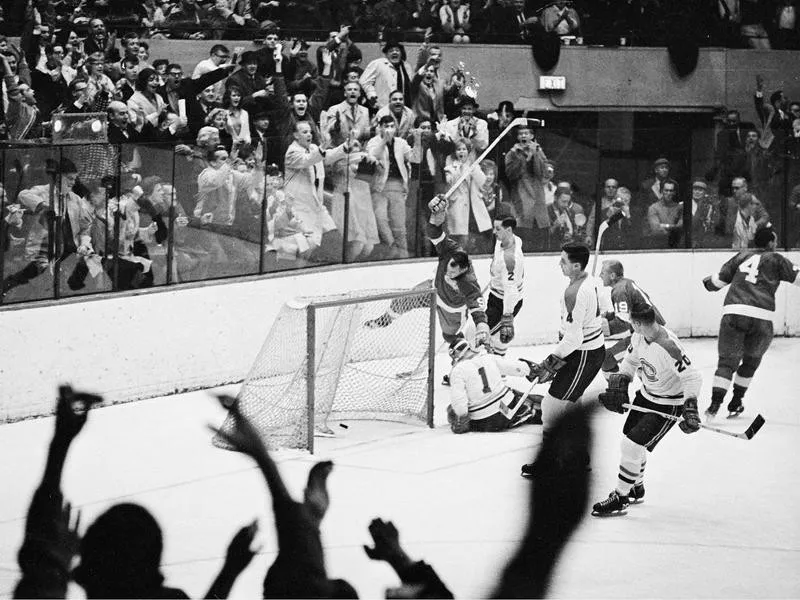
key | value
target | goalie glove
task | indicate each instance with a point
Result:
(691, 418)
(457, 424)
(482, 334)
(549, 367)
(506, 329)
(616, 394)
(438, 204)
(533, 370)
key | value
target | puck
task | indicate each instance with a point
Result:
(343, 426)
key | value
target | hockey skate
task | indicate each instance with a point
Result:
(383, 321)
(735, 408)
(713, 408)
(636, 495)
(612, 506)
(546, 469)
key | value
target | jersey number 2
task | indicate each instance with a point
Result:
(750, 266)
(486, 387)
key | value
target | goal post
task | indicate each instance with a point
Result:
(321, 362)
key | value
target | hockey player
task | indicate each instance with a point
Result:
(507, 277)
(576, 360)
(669, 385)
(745, 330)
(480, 400)
(458, 294)
(626, 297)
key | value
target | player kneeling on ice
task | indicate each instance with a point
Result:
(670, 385)
(480, 400)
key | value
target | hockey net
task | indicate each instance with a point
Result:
(320, 363)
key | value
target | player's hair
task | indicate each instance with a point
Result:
(577, 253)
(461, 259)
(764, 235)
(386, 120)
(506, 220)
(615, 267)
(646, 315)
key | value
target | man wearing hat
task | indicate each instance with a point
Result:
(468, 126)
(652, 188)
(708, 226)
(247, 78)
(384, 75)
(525, 169)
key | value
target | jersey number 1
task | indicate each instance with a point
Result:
(750, 266)
(486, 387)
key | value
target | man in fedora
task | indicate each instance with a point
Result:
(385, 75)
(468, 126)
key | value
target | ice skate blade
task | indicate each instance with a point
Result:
(616, 513)
(325, 432)
(735, 415)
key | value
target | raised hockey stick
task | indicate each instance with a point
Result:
(747, 434)
(601, 230)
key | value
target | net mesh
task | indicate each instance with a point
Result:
(367, 366)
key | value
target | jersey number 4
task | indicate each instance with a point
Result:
(750, 266)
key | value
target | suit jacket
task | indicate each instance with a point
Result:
(402, 154)
(379, 79)
(342, 120)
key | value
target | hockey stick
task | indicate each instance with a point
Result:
(462, 178)
(601, 230)
(747, 434)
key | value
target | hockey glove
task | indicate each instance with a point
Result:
(506, 329)
(709, 284)
(691, 418)
(549, 367)
(457, 424)
(438, 204)
(533, 370)
(482, 334)
(616, 394)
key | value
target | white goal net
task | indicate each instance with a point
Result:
(321, 363)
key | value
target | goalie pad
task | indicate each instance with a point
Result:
(457, 424)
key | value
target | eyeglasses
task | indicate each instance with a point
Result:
(222, 56)
(176, 74)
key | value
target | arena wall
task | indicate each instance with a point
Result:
(136, 346)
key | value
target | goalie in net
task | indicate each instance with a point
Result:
(320, 363)
(459, 299)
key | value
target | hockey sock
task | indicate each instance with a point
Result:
(640, 478)
(552, 411)
(718, 393)
(630, 465)
(738, 392)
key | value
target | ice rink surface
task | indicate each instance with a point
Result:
(720, 518)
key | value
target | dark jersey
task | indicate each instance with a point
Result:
(754, 277)
(453, 295)
(628, 297)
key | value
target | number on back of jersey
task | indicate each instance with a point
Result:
(750, 268)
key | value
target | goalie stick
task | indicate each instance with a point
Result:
(747, 434)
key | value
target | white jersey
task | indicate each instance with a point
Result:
(506, 284)
(581, 324)
(477, 387)
(666, 372)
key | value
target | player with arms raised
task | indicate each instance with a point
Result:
(576, 360)
(507, 277)
(480, 399)
(670, 385)
(626, 297)
(458, 292)
(745, 330)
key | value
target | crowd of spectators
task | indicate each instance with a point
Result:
(281, 157)
(732, 23)
(119, 554)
